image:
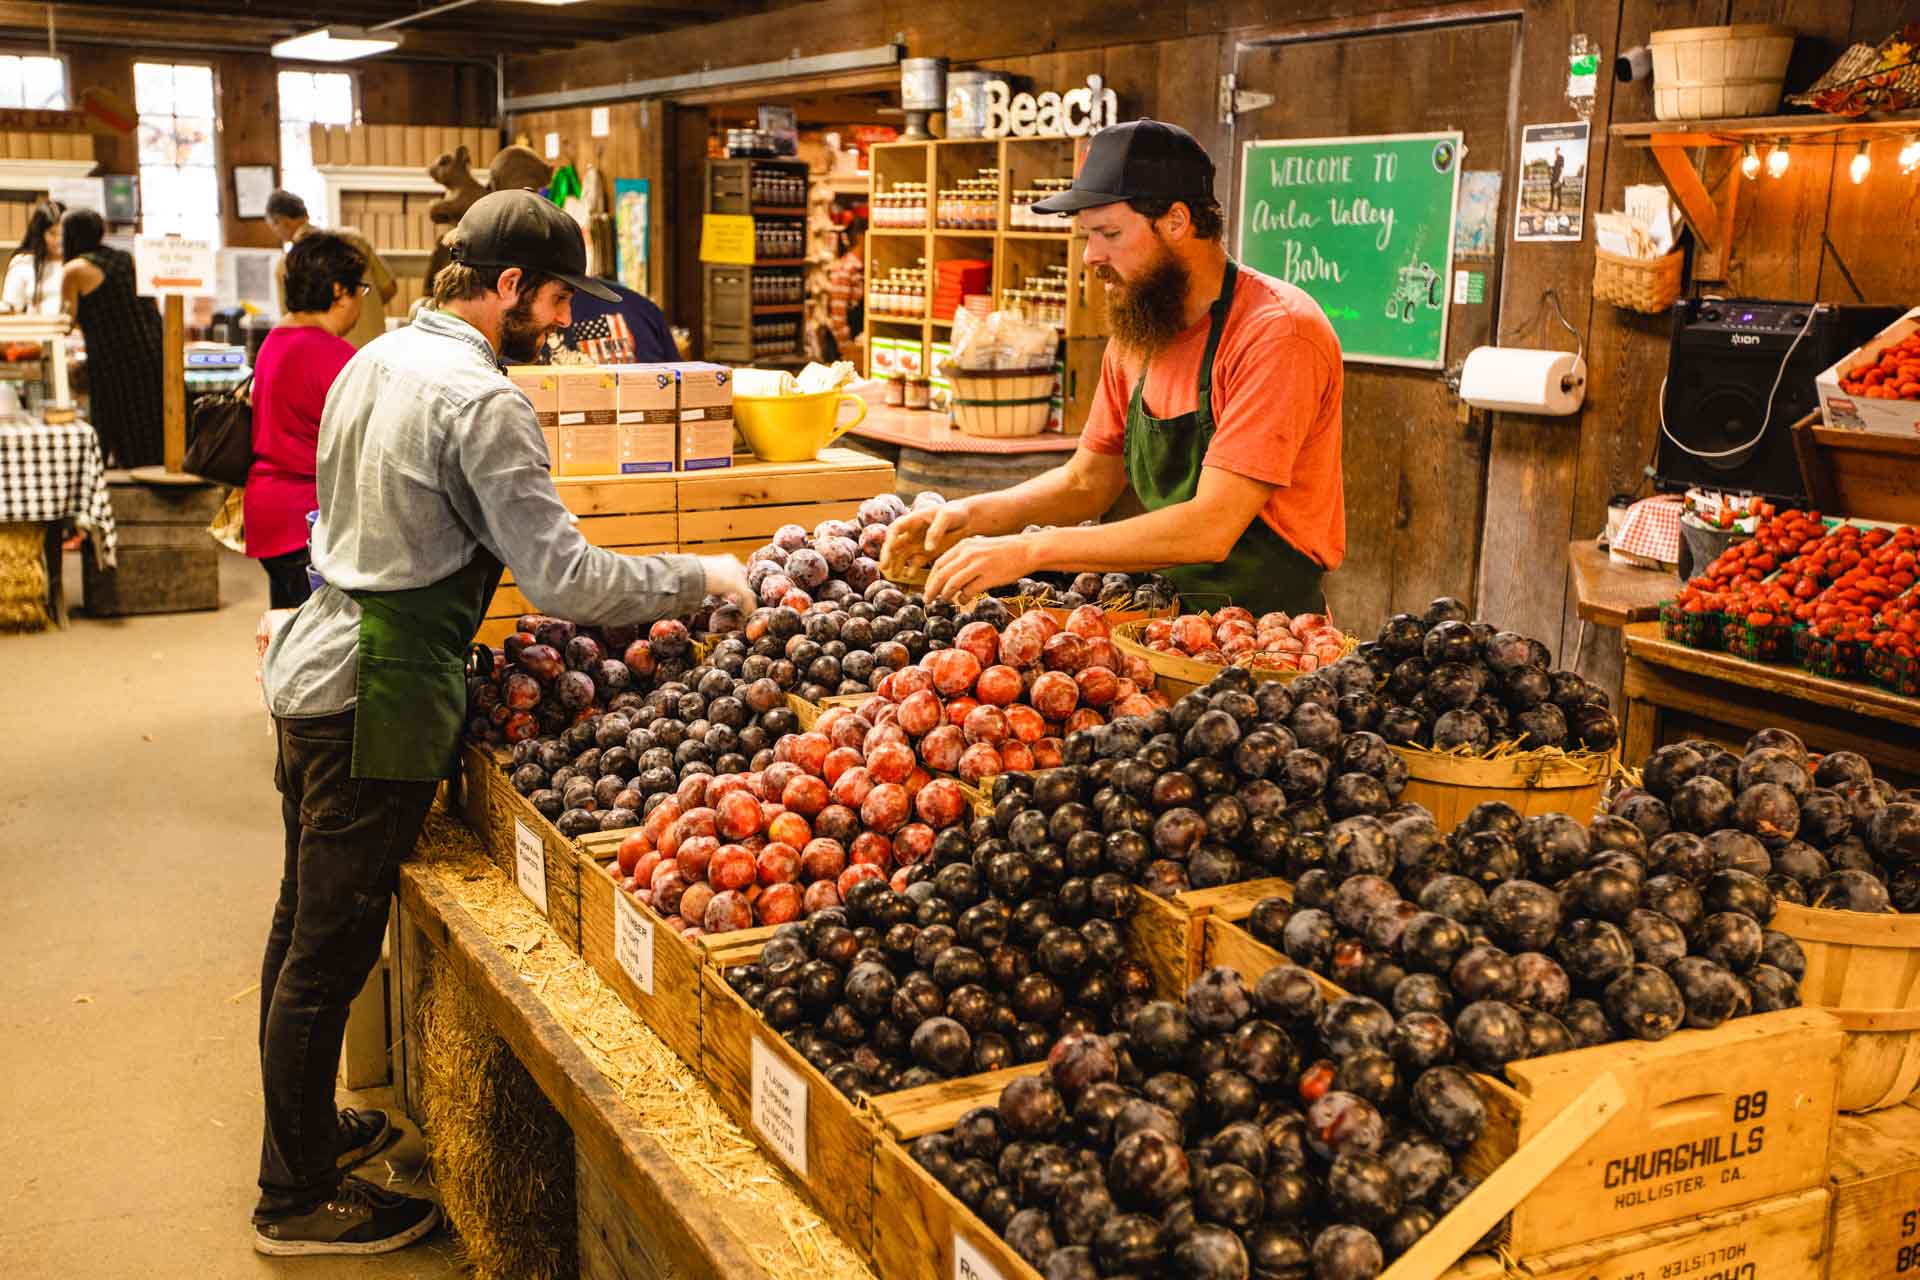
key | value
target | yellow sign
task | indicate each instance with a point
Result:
(727, 237)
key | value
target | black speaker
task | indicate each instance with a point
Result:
(1739, 374)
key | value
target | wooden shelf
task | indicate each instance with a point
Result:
(896, 231)
(779, 211)
(1738, 129)
(779, 262)
(1060, 237)
(959, 233)
(780, 309)
(883, 318)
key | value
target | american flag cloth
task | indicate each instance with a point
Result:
(1652, 529)
(603, 339)
(54, 472)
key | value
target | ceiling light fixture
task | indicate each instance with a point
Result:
(336, 43)
(1749, 162)
(1777, 161)
(1910, 154)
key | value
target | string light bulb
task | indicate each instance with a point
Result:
(1860, 166)
(1777, 161)
(1749, 162)
(1910, 154)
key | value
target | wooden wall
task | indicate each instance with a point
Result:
(1547, 480)
(247, 85)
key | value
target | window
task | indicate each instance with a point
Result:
(36, 82)
(179, 185)
(308, 98)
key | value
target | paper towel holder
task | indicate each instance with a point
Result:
(1571, 371)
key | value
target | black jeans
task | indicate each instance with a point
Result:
(287, 586)
(345, 839)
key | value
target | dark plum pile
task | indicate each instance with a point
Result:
(837, 562)
(974, 965)
(1145, 591)
(831, 648)
(549, 674)
(1259, 1130)
(1444, 682)
(1823, 833)
(1207, 792)
(1531, 936)
(606, 770)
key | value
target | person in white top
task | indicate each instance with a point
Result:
(33, 272)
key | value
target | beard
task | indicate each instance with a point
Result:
(1149, 311)
(521, 337)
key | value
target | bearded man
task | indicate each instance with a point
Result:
(432, 475)
(1219, 405)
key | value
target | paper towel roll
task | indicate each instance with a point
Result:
(1519, 380)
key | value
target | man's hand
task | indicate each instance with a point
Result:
(977, 565)
(726, 577)
(931, 531)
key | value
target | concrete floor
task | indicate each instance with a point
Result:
(139, 857)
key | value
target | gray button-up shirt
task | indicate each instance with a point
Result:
(427, 453)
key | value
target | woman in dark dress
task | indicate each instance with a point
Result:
(122, 330)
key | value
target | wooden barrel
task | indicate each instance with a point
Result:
(958, 475)
(1866, 969)
(1533, 782)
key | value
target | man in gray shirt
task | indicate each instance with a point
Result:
(432, 476)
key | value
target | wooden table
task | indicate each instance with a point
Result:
(1615, 594)
(1674, 692)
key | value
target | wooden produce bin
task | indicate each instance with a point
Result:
(633, 515)
(735, 510)
(1533, 782)
(525, 846)
(1876, 1195)
(824, 1138)
(1713, 1119)
(165, 562)
(1866, 968)
(1168, 935)
(654, 969)
(1784, 1238)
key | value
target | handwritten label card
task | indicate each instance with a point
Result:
(530, 864)
(633, 941)
(780, 1106)
(968, 1264)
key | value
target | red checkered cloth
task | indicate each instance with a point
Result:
(1651, 530)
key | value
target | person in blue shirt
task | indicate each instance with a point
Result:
(631, 330)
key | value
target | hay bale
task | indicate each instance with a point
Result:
(502, 1156)
(23, 577)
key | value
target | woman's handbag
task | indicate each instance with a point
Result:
(222, 448)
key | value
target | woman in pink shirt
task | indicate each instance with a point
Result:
(296, 367)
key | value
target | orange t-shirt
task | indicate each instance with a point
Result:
(1276, 407)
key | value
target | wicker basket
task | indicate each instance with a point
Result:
(1002, 402)
(1651, 285)
(1704, 72)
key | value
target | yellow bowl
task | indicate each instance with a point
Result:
(794, 428)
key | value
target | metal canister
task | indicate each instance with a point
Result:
(967, 101)
(923, 84)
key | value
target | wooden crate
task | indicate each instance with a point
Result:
(527, 848)
(1875, 1180)
(1714, 1119)
(742, 505)
(652, 968)
(1784, 1238)
(824, 1138)
(1168, 935)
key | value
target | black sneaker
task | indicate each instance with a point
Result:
(360, 1218)
(363, 1135)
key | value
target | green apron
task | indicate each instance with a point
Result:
(412, 689)
(1164, 455)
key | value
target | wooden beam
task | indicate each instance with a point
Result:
(173, 355)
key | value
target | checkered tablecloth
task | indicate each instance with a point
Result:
(1652, 529)
(55, 472)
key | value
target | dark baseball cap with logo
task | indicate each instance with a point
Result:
(523, 229)
(1141, 159)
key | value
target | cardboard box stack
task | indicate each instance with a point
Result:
(632, 419)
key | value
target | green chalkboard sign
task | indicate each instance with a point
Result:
(1365, 225)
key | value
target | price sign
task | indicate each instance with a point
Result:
(530, 864)
(780, 1106)
(173, 265)
(969, 1264)
(727, 238)
(633, 941)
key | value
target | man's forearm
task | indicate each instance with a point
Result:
(1183, 533)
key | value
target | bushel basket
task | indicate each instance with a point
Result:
(1002, 402)
(1533, 782)
(1866, 969)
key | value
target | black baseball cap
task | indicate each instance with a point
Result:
(523, 229)
(1141, 159)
